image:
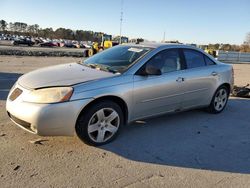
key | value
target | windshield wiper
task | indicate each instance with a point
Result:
(91, 65)
(112, 70)
(102, 67)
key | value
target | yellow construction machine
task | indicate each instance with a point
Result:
(211, 51)
(102, 42)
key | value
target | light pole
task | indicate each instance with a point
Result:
(121, 19)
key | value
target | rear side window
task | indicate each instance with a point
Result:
(194, 58)
(208, 60)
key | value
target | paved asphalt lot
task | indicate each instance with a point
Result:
(188, 149)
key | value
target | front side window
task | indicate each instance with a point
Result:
(167, 60)
(194, 58)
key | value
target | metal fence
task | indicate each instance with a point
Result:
(234, 57)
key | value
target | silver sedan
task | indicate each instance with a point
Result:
(95, 98)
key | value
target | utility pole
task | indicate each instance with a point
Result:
(163, 37)
(121, 19)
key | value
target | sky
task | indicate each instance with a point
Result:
(189, 21)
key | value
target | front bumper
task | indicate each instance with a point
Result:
(56, 119)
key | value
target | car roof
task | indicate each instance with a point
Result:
(157, 45)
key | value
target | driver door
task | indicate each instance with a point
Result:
(156, 94)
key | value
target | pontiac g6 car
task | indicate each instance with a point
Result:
(95, 98)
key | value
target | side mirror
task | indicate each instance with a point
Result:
(151, 70)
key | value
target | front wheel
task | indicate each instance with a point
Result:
(90, 52)
(219, 100)
(100, 123)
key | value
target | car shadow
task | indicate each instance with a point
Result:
(193, 139)
(7, 80)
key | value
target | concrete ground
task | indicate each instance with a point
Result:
(189, 149)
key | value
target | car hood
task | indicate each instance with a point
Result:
(61, 75)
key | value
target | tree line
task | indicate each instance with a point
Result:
(245, 47)
(20, 28)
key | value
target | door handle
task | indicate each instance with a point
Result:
(180, 79)
(214, 73)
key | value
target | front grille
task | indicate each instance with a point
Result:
(25, 124)
(16, 93)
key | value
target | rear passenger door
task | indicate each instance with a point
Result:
(200, 78)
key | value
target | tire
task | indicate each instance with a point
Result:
(90, 52)
(219, 100)
(93, 126)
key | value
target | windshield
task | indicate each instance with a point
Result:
(116, 59)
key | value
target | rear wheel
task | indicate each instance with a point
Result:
(100, 124)
(90, 52)
(219, 100)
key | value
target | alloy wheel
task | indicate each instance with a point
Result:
(103, 125)
(220, 99)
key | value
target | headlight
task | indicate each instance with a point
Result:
(49, 95)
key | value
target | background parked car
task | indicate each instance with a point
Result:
(71, 45)
(49, 44)
(24, 41)
(83, 45)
